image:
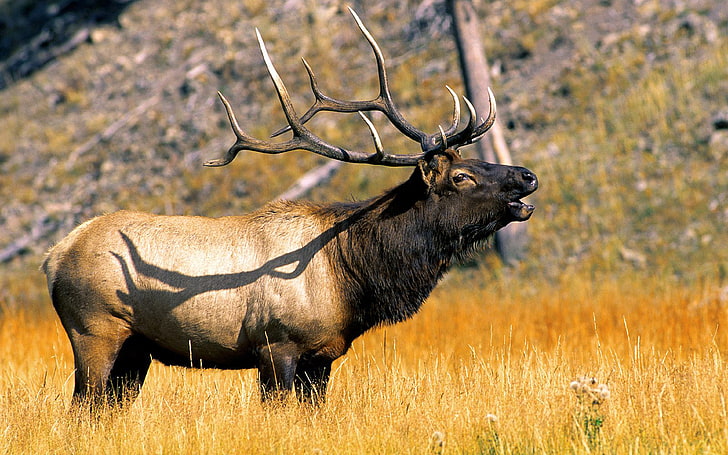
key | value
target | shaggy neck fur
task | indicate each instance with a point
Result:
(394, 249)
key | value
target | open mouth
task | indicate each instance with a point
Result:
(520, 211)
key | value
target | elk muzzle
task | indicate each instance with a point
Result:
(526, 183)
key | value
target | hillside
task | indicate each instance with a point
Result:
(620, 107)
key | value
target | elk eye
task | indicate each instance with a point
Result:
(460, 177)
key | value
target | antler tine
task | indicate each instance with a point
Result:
(375, 137)
(378, 55)
(281, 90)
(239, 133)
(473, 131)
(455, 112)
(443, 137)
(467, 132)
(490, 120)
(246, 142)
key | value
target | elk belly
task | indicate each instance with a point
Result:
(203, 330)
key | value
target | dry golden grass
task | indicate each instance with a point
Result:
(477, 371)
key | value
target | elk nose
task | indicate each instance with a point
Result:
(529, 178)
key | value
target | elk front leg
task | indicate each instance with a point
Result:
(312, 377)
(276, 370)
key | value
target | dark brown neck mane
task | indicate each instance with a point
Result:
(393, 250)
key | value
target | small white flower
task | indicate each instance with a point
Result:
(590, 388)
(437, 439)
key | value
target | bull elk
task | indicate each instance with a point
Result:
(286, 288)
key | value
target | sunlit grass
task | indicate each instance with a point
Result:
(476, 371)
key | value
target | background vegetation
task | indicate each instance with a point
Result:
(620, 107)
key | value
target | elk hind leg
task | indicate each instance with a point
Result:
(94, 356)
(129, 371)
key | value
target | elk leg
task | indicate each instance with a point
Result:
(129, 371)
(311, 379)
(94, 357)
(276, 370)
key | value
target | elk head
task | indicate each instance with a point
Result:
(476, 181)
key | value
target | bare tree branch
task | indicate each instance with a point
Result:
(310, 180)
(39, 230)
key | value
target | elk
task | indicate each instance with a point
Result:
(286, 288)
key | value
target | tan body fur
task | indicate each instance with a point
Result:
(207, 290)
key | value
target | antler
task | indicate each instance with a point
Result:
(304, 139)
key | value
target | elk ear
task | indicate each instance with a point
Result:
(436, 166)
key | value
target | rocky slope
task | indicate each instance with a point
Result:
(124, 116)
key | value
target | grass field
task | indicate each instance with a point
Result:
(477, 371)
